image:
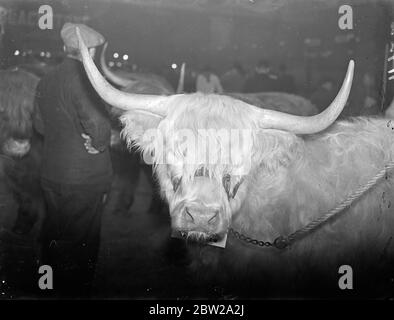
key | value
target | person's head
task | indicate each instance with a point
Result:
(263, 66)
(91, 37)
(74, 53)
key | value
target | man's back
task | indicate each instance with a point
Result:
(69, 107)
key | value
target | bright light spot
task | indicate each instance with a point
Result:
(125, 57)
(116, 55)
(16, 52)
(42, 54)
(174, 66)
(48, 54)
(111, 63)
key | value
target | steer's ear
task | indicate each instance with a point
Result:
(138, 126)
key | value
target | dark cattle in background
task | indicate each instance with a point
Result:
(20, 145)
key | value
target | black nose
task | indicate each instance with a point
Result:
(201, 216)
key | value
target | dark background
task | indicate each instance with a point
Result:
(156, 33)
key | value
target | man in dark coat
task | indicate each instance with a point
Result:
(76, 169)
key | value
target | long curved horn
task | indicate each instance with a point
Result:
(308, 125)
(111, 76)
(181, 83)
(117, 98)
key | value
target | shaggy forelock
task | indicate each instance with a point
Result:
(201, 111)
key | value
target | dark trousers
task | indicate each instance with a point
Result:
(71, 236)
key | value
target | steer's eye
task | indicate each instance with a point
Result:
(175, 183)
(227, 186)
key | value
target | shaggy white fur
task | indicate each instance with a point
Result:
(292, 178)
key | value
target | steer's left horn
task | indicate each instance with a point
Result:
(117, 98)
(308, 125)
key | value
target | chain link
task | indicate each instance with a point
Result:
(246, 239)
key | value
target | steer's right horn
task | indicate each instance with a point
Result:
(313, 124)
(119, 99)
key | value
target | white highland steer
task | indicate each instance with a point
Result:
(298, 169)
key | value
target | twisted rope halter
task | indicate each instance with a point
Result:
(283, 242)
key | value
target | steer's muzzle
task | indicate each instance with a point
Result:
(200, 217)
(200, 223)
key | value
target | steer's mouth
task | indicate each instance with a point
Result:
(202, 237)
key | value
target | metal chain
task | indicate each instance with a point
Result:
(283, 242)
(242, 237)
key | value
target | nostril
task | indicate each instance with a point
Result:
(214, 217)
(189, 216)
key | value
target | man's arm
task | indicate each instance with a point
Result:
(92, 116)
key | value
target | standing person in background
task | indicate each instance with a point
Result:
(234, 79)
(76, 168)
(208, 82)
(262, 79)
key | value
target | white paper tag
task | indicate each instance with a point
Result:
(220, 244)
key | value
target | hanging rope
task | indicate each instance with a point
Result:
(283, 242)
